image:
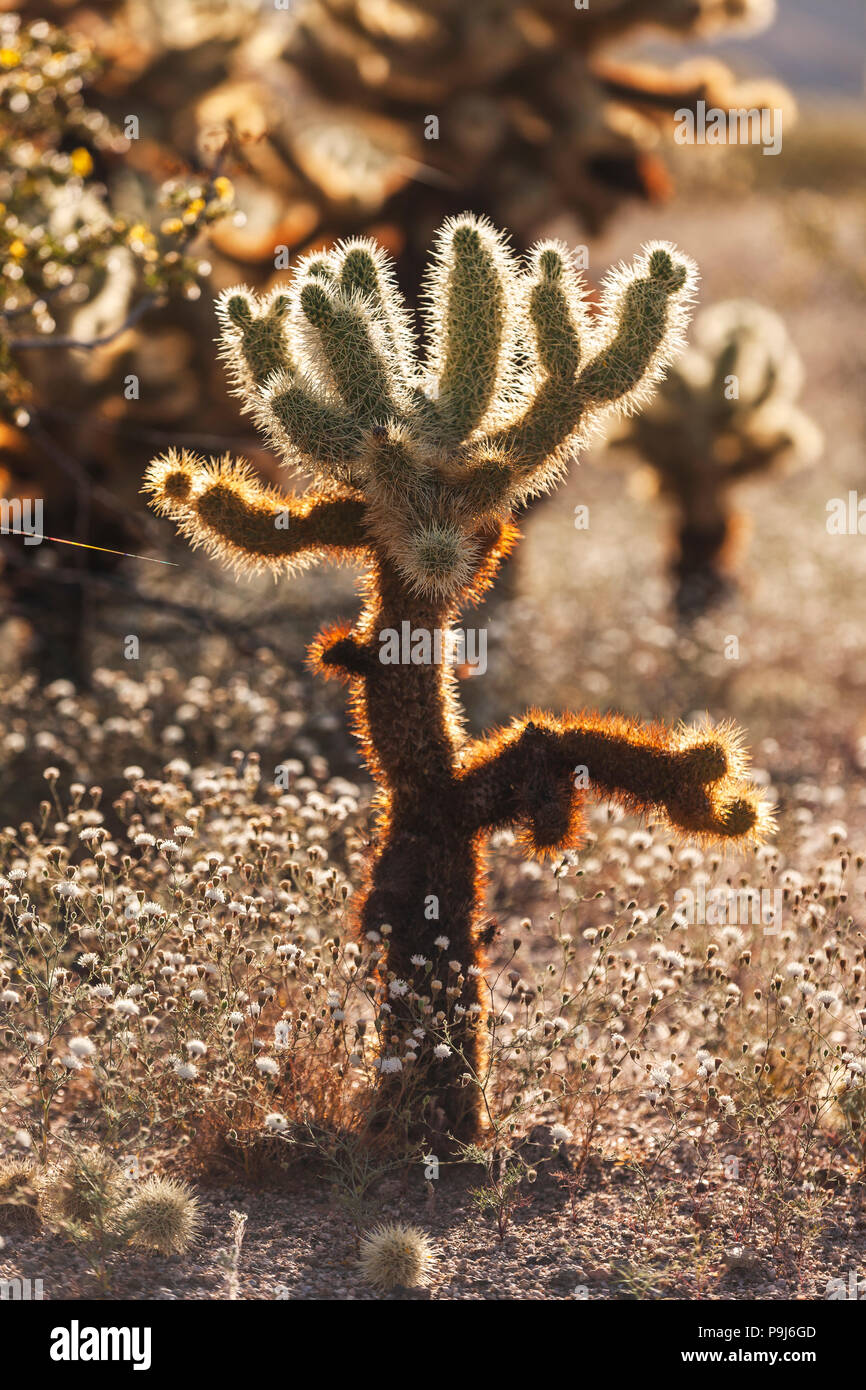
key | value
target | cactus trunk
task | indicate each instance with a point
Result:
(425, 879)
(413, 863)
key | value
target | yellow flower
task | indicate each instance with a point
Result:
(194, 208)
(172, 226)
(223, 187)
(17, 249)
(81, 162)
(139, 233)
(9, 57)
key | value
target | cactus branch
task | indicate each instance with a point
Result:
(536, 773)
(220, 505)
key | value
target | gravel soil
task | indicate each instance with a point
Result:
(690, 1241)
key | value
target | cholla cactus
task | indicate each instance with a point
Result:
(535, 116)
(18, 1194)
(417, 469)
(84, 1187)
(162, 1215)
(726, 412)
(395, 1256)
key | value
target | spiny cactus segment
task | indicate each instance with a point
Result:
(413, 458)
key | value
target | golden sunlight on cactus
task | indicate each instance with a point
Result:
(416, 468)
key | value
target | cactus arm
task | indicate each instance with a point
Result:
(253, 338)
(352, 341)
(219, 504)
(528, 775)
(642, 317)
(310, 431)
(470, 310)
(367, 272)
(646, 314)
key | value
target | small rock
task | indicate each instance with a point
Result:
(741, 1257)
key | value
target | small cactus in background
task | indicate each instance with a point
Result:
(84, 1188)
(161, 1215)
(725, 412)
(396, 1256)
(88, 1197)
(417, 467)
(18, 1194)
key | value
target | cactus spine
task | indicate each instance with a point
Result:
(417, 467)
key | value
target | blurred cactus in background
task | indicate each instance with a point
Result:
(384, 116)
(725, 412)
(398, 111)
(417, 468)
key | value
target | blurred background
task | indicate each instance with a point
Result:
(155, 153)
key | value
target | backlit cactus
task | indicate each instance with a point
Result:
(725, 412)
(417, 467)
